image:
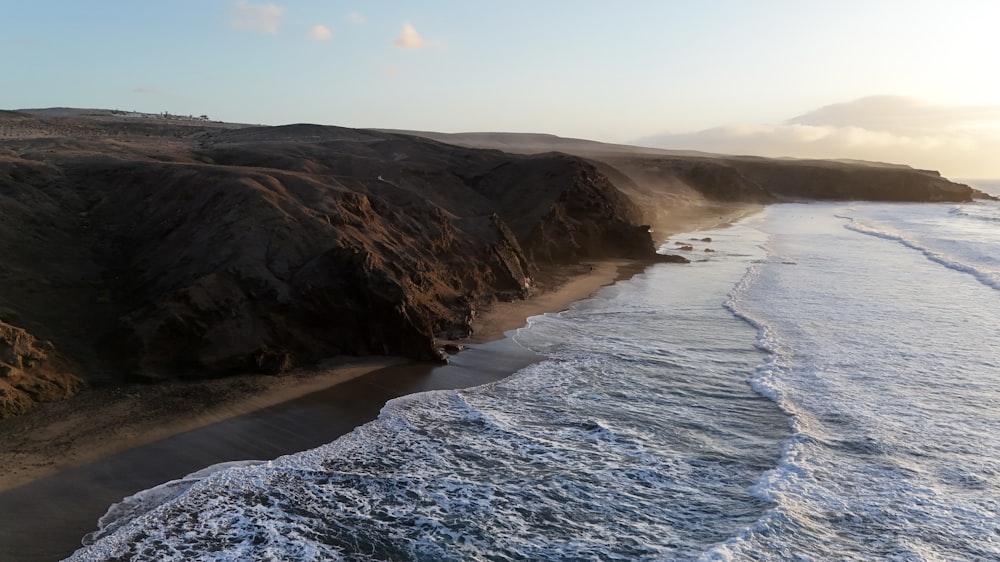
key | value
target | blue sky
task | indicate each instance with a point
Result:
(906, 81)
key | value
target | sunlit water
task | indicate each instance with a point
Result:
(825, 385)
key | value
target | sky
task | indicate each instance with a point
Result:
(903, 81)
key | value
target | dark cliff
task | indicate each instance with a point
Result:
(760, 180)
(808, 179)
(184, 250)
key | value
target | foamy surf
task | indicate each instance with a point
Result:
(808, 392)
(611, 449)
(985, 276)
(141, 503)
(876, 468)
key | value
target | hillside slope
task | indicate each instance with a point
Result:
(136, 249)
(660, 181)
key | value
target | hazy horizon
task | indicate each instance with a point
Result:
(855, 80)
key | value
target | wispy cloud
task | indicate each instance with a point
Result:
(261, 17)
(356, 18)
(320, 33)
(145, 90)
(959, 140)
(391, 72)
(409, 38)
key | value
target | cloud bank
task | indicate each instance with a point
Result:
(960, 141)
(264, 17)
(901, 115)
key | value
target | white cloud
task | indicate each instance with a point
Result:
(263, 17)
(960, 141)
(409, 38)
(900, 114)
(356, 18)
(320, 33)
(145, 90)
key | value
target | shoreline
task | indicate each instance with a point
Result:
(60, 474)
(63, 501)
(64, 506)
(101, 422)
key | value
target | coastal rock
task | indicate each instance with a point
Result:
(28, 374)
(273, 362)
(672, 258)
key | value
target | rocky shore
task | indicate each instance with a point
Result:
(149, 251)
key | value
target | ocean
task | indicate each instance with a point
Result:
(822, 382)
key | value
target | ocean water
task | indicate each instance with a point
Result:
(823, 385)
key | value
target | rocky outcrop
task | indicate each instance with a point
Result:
(28, 374)
(580, 214)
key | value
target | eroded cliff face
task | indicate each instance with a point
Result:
(27, 373)
(185, 251)
(564, 209)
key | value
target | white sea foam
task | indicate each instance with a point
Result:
(989, 278)
(870, 470)
(867, 431)
(612, 449)
(986, 212)
(147, 500)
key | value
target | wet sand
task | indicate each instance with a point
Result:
(45, 519)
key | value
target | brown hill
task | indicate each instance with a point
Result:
(151, 250)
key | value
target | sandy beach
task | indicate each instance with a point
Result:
(64, 463)
(101, 422)
(65, 505)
